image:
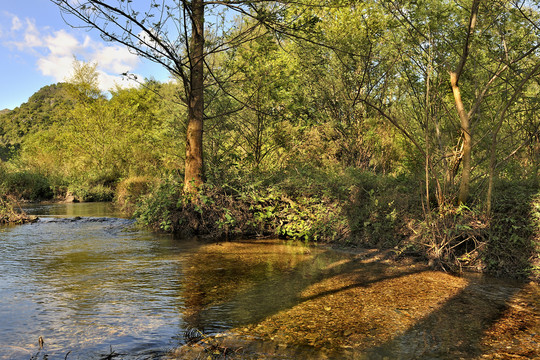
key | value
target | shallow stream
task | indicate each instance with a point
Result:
(90, 284)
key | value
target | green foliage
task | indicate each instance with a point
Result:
(92, 193)
(463, 238)
(26, 185)
(312, 207)
(99, 141)
(311, 219)
(130, 191)
(379, 208)
(45, 107)
(514, 230)
(213, 213)
(158, 209)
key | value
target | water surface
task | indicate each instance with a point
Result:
(90, 283)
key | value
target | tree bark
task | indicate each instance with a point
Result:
(464, 118)
(194, 167)
(466, 158)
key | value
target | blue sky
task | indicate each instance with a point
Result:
(37, 48)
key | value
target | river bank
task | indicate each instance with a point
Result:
(362, 211)
(11, 212)
(349, 208)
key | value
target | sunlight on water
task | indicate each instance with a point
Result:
(86, 282)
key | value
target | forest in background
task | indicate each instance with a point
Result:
(405, 125)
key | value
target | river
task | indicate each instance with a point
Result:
(91, 285)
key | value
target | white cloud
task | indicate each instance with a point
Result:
(58, 67)
(16, 23)
(115, 58)
(31, 38)
(110, 82)
(55, 52)
(63, 44)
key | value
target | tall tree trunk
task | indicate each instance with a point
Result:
(465, 122)
(194, 167)
(464, 118)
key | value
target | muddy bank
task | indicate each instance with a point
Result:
(366, 305)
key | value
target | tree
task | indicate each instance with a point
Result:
(99, 141)
(464, 117)
(457, 70)
(173, 34)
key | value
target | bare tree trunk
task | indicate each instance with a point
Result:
(464, 118)
(194, 167)
(465, 122)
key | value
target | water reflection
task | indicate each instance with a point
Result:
(86, 281)
(96, 209)
(86, 284)
(233, 283)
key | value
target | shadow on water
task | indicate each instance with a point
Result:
(324, 304)
(468, 324)
(283, 289)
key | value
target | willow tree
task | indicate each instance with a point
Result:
(172, 34)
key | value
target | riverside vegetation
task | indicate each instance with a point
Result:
(346, 130)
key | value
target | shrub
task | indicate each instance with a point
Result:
(504, 244)
(130, 190)
(9, 214)
(27, 185)
(310, 207)
(214, 212)
(514, 230)
(91, 193)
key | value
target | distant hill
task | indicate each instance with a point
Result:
(48, 104)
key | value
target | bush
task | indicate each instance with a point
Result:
(513, 244)
(215, 212)
(503, 244)
(91, 193)
(27, 185)
(130, 190)
(156, 209)
(8, 213)
(311, 206)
